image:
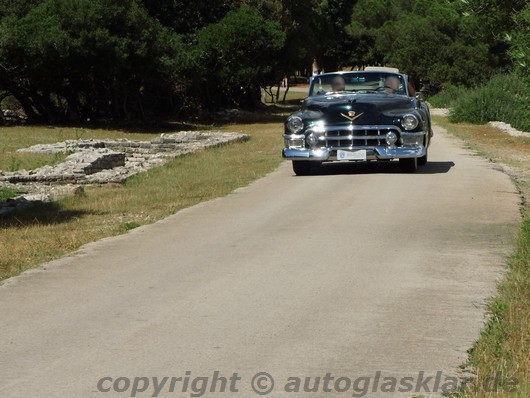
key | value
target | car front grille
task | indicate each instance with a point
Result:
(342, 138)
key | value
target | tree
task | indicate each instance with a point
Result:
(75, 59)
(435, 38)
(16, 7)
(368, 16)
(70, 60)
(336, 45)
(495, 22)
(235, 57)
(520, 42)
(187, 17)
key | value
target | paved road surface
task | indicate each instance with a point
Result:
(362, 272)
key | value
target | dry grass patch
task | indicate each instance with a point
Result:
(18, 137)
(44, 232)
(503, 350)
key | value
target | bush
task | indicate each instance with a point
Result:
(504, 98)
(447, 96)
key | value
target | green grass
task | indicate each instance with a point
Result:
(7, 193)
(46, 231)
(13, 138)
(503, 349)
(504, 345)
(29, 161)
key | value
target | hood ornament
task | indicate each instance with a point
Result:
(351, 116)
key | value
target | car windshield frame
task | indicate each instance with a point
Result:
(373, 82)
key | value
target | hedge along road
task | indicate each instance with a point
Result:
(352, 278)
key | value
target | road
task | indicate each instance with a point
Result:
(356, 276)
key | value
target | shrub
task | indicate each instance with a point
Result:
(504, 98)
(447, 96)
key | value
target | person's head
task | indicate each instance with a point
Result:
(391, 84)
(338, 83)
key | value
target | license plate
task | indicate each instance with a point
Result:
(351, 155)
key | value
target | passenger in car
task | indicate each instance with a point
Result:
(391, 84)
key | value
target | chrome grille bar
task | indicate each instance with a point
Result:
(347, 137)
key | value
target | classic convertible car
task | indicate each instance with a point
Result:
(358, 116)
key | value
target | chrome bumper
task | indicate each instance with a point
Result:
(372, 152)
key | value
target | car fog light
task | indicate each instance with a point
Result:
(409, 122)
(294, 141)
(295, 124)
(391, 138)
(311, 140)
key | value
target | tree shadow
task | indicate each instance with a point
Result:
(378, 167)
(39, 213)
(133, 127)
(271, 113)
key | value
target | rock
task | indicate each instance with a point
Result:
(102, 162)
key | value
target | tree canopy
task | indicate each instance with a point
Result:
(77, 59)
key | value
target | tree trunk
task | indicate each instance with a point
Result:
(286, 91)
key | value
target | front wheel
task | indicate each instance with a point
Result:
(408, 165)
(305, 167)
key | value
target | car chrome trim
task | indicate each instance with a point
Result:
(348, 136)
(381, 150)
(374, 153)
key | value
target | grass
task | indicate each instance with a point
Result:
(47, 231)
(7, 193)
(13, 138)
(50, 230)
(501, 357)
(26, 161)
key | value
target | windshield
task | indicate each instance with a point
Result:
(369, 82)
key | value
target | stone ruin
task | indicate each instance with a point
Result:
(101, 162)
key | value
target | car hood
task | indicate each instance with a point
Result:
(374, 108)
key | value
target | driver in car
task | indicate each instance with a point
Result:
(338, 83)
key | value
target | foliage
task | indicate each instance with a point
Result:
(520, 42)
(501, 24)
(185, 17)
(70, 60)
(75, 60)
(334, 43)
(7, 193)
(504, 98)
(16, 7)
(235, 57)
(447, 97)
(430, 37)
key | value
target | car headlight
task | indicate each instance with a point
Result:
(409, 122)
(295, 124)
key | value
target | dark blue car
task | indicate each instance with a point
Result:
(358, 116)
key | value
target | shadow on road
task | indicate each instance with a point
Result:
(392, 167)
